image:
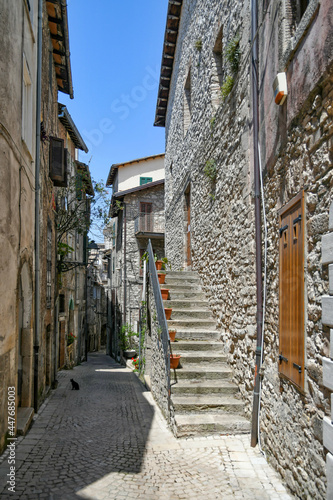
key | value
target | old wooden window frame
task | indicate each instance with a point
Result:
(292, 292)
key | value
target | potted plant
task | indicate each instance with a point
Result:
(165, 293)
(126, 341)
(172, 335)
(168, 311)
(174, 360)
(161, 278)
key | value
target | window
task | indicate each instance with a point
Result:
(187, 102)
(58, 172)
(61, 303)
(49, 265)
(146, 218)
(145, 180)
(294, 25)
(291, 314)
(27, 118)
(217, 70)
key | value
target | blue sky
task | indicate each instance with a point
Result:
(116, 50)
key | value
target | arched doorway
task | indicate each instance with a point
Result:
(25, 340)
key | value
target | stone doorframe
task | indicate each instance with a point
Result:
(25, 337)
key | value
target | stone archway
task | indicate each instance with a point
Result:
(25, 340)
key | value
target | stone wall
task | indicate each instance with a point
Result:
(296, 153)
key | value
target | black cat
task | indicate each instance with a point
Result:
(75, 385)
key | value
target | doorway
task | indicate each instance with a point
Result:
(188, 258)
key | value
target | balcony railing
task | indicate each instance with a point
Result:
(151, 224)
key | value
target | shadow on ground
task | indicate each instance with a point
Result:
(82, 436)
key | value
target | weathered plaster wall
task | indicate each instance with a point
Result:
(16, 199)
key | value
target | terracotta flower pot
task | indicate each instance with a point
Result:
(172, 335)
(158, 264)
(174, 360)
(165, 293)
(168, 311)
(161, 278)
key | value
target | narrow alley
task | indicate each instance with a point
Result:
(109, 441)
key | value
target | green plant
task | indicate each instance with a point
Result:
(212, 196)
(119, 205)
(70, 338)
(198, 44)
(210, 169)
(212, 122)
(125, 337)
(233, 54)
(226, 87)
(165, 263)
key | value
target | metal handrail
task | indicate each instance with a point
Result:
(160, 313)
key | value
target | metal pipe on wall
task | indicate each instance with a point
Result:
(256, 165)
(37, 201)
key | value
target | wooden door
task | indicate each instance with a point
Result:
(291, 331)
(188, 228)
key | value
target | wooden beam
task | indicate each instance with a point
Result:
(55, 20)
(57, 37)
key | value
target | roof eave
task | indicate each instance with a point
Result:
(70, 126)
(169, 49)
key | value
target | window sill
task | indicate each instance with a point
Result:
(300, 32)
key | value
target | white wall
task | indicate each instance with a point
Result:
(129, 174)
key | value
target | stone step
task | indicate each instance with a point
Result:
(195, 323)
(190, 314)
(192, 334)
(184, 283)
(199, 357)
(198, 345)
(209, 372)
(188, 293)
(204, 387)
(210, 423)
(204, 402)
(186, 305)
(182, 274)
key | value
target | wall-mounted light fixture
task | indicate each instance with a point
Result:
(280, 88)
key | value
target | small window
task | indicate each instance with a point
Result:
(61, 303)
(49, 266)
(187, 102)
(145, 180)
(57, 162)
(27, 97)
(217, 70)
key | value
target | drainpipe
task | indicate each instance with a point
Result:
(37, 201)
(124, 316)
(255, 108)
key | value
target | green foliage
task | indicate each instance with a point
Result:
(165, 263)
(212, 122)
(198, 44)
(125, 337)
(212, 196)
(226, 87)
(119, 205)
(64, 250)
(233, 54)
(210, 169)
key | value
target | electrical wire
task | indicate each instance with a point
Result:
(264, 293)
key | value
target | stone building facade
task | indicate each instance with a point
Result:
(209, 202)
(137, 215)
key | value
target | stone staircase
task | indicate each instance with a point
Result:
(204, 397)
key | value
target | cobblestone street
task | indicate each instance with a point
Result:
(109, 441)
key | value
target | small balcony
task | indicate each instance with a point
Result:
(149, 225)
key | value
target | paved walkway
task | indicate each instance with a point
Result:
(109, 441)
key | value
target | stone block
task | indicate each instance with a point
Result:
(331, 344)
(327, 310)
(328, 434)
(327, 248)
(329, 475)
(330, 277)
(328, 373)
